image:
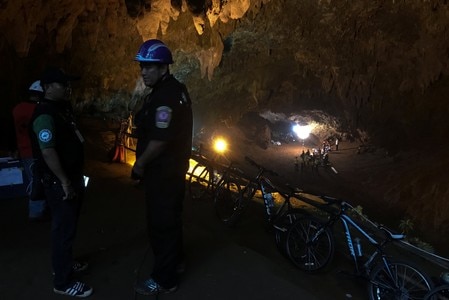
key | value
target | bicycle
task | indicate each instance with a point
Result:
(310, 245)
(438, 293)
(199, 183)
(235, 191)
(441, 291)
(206, 173)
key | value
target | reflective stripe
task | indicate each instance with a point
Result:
(77, 288)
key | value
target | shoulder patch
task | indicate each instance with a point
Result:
(45, 135)
(163, 116)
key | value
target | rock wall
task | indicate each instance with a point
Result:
(377, 63)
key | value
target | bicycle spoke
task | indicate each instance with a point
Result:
(438, 293)
(281, 228)
(227, 202)
(405, 282)
(308, 247)
(200, 182)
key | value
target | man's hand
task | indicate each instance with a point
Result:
(137, 171)
(68, 191)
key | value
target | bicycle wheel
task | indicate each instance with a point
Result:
(439, 293)
(400, 280)
(310, 246)
(200, 182)
(228, 201)
(282, 225)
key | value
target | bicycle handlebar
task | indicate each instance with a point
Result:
(261, 168)
(342, 204)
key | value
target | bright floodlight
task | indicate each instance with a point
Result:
(220, 145)
(302, 131)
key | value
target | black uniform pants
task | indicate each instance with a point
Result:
(64, 220)
(164, 201)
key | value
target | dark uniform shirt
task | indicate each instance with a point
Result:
(166, 115)
(53, 126)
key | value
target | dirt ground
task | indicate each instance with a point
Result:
(222, 263)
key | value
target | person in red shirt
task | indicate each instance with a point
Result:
(22, 114)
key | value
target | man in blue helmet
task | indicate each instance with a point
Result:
(164, 143)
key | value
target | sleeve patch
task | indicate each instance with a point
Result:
(45, 135)
(163, 116)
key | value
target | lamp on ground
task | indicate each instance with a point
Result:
(220, 145)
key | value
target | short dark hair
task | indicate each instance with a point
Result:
(54, 74)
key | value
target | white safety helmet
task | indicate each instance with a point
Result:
(36, 87)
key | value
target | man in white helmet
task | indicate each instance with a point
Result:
(22, 113)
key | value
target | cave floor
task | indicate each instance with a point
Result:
(222, 263)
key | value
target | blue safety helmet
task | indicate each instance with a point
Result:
(154, 51)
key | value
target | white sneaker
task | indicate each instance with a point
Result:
(76, 289)
(151, 287)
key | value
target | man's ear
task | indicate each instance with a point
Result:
(46, 86)
(163, 69)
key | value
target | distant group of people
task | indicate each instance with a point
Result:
(51, 147)
(315, 158)
(310, 160)
(326, 146)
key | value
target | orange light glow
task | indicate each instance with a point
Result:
(220, 145)
(131, 161)
(192, 164)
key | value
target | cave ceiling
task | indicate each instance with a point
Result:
(377, 65)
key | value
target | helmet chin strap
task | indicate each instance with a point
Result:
(166, 74)
(162, 78)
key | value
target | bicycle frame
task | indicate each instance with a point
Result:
(347, 223)
(262, 183)
(209, 174)
(234, 192)
(310, 245)
(266, 188)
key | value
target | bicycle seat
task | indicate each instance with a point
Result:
(390, 234)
